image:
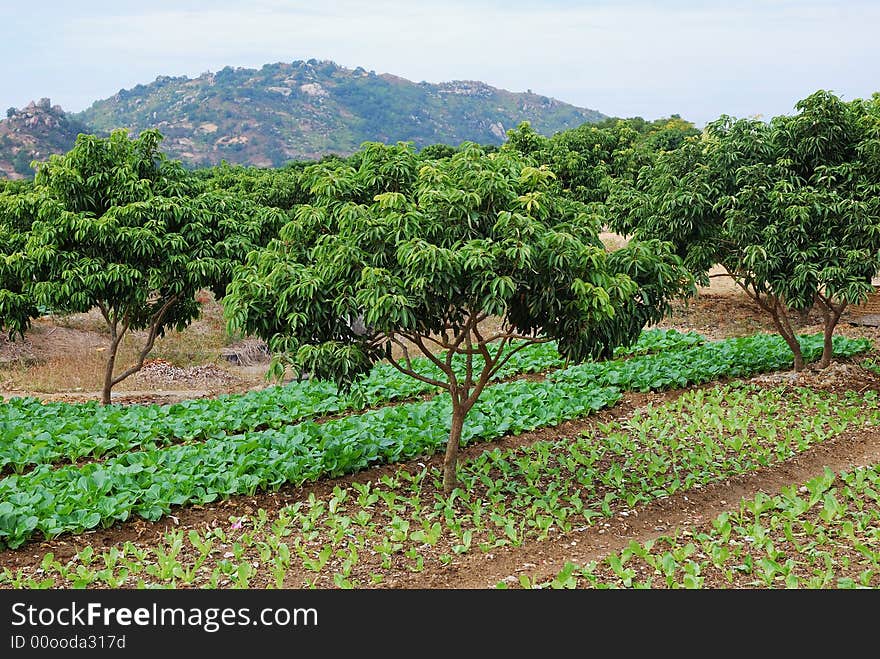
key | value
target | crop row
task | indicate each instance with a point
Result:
(820, 535)
(148, 483)
(356, 534)
(33, 432)
(735, 357)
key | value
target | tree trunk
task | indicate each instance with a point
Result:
(450, 460)
(780, 319)
(108, 372)
(798, 356)
(779, 312)
(827, 348)
(116, 339)
(832, 317)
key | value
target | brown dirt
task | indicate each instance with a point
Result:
(45, 339)
(63, 358)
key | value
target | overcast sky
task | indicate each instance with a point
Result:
(621, 57)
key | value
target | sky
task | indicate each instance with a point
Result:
(625, 58)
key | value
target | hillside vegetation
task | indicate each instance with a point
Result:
(34, 133)
(293, 111)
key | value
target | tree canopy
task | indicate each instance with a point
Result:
(402, 255)
(114, 225)
(790, 208)
(589, 158)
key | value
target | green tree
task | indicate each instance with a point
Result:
(401, 257)
(669, 134)
(276, 188)
(16, 306)
(114, 225)
(588, 159)
(437, 151)
(789, 208)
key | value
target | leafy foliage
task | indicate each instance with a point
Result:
(34, 432)
(540, 492)
(113, 224)
(413, 251)
(589, 158)
(818, 536)
(398, 254)
(149, 482)
(789, 208)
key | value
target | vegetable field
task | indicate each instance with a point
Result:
(473, 387)
(303, 485)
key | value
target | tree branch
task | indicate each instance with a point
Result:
(104, 313)
(417, 340)
(444, 344)
(417, 376)
(478, 389)
(155, 323)
(835, 308)
(754, 295)
(513, 335)
(428, 337)
(488, 362)
(780, 318)
(825, 300)
(465, 331)
(469, 367)
(510, 354)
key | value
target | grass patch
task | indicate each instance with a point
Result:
(74, 364)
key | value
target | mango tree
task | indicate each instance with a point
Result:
(16, 306)
(275, 188)
(114, 225)
(469, 258)
(790, 208)
(589, 158)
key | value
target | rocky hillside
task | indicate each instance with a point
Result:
(33, 133)
(301, 111)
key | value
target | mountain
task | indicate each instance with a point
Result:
(33, 133)
(305, 110)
